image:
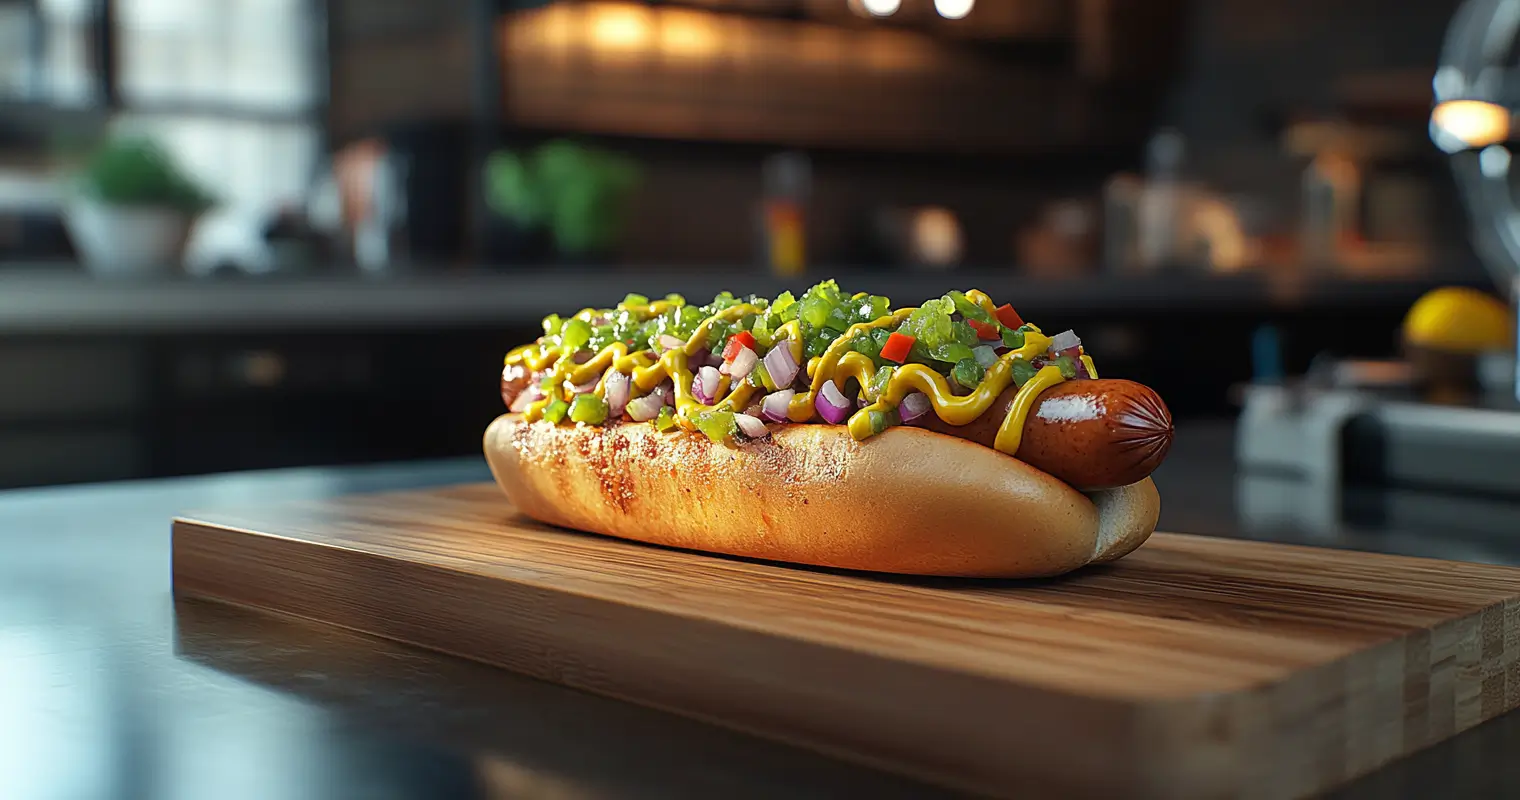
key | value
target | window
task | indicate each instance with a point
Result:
(45, 52)
(231, 87)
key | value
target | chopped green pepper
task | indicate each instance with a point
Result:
(718, 425)
(868, 345)
(635, 300)
(882, 420)
(556, 410)
(951, 353)
(968, 309)
(718, 334)
(968, 373)
(930, 323)
(1022, 372)
(965, 334)
(761, 377)
(1013, 340)
(588, 408)
(879, 383)
(1068, 367)
(785, 307)
(575, 334)
(665, 420)
(819, 342)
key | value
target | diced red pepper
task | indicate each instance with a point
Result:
(985, 330)
(738, 341)
(1009, 317)
(897, 347)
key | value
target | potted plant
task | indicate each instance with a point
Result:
(133, 209)
(562, 194)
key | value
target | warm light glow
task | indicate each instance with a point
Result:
(1472, 123)
(555, 28)
(620, 27)
(688, 34)
(936, 238)
(954, 9)
(882, 8)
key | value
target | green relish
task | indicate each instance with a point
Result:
(941, 328)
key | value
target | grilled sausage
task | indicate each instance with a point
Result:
(1091, 434)
(514, 379)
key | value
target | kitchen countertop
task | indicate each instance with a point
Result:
(66, 301)
(109, 687)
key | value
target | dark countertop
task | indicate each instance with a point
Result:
(70, 302)
(111, 688)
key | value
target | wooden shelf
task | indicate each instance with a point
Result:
(627, 69)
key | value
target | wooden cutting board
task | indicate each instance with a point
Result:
(1197, 667)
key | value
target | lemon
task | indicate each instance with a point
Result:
(1459, 320)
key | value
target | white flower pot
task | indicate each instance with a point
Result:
(126, 241)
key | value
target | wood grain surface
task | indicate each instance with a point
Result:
(1196, 667)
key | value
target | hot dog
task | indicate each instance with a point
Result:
(1092, 434)
(950, 438)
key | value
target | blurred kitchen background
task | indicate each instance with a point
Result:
(241, 234)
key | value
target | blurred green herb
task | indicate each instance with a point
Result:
(137, 172)
(579, 193)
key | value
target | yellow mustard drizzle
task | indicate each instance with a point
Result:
(952, 408)
(838, 363)
(1011, 433)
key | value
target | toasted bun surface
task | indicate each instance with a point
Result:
(906, 501)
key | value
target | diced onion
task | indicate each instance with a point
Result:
(985, 355)
(585, 388)
(643, 409)
(617, 386)
(913, 406)
(1065, 340)
(751, 426)
(780, 364)
(705, 385)
(668, 342)
(775, 405)
(832, 405)
(520, 403)
(743, 364)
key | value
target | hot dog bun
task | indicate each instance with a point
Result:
(907, 501)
